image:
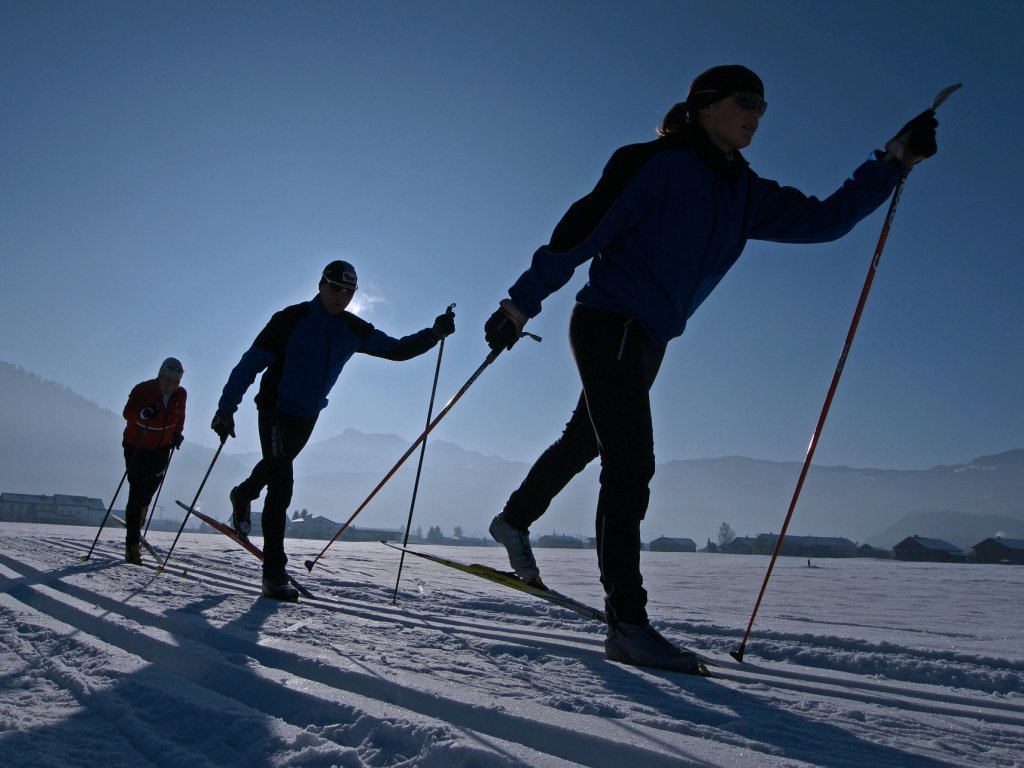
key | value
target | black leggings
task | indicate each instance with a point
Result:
(617, 363)
(145, 469)
(282, 438)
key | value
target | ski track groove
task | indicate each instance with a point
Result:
(235, 679)
(226, 679)
(796, 679)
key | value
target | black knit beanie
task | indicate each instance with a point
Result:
(719, 82)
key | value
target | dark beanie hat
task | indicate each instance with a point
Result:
(340, 272)
(720, 82)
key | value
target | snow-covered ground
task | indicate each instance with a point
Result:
(851, 663)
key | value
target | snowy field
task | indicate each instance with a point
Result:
(851, 663)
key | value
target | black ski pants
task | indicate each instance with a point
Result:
(145, 471)
(282, 438)
(617, 363)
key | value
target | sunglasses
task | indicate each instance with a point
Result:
(341, 288)
(750, 101)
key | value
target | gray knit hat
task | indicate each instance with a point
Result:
(171, 367)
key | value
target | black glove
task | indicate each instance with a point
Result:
(444, 325)
(150, 411)
(224, 425)
(504, 327)
(915, 141)
(177, 440)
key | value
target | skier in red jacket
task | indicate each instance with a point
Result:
(155, 416)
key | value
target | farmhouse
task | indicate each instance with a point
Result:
(667, 544)
(59, 508)
(922, 550)
(996, 549)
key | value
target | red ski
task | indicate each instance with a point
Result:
(228, 531)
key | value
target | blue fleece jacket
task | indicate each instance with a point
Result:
(670, 217)
(303, 349)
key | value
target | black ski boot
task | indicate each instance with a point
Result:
(278, 587)
(240, 514)
(643, 646)
(133, 554)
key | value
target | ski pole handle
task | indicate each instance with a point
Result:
(944, 94)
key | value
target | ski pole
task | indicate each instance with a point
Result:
(419, 466)
(152, 506)
(875, 259)
(192, 506)
(423, 436)
(135, 452)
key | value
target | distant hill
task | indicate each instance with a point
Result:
(959, 528)
(54, 441)
(753, 495)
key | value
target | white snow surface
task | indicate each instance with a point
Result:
(850, 663)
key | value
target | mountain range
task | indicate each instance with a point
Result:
(55, 441)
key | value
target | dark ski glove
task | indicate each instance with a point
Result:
(149, 412)
(444, 325)
(177, 440)
(504, 327)
(224, 425)
(915, 141)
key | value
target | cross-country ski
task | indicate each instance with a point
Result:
(142, 540)
(242, 541)
(506, 579)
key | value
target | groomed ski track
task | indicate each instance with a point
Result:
(347, 678)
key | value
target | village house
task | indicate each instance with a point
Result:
(559, 541)
(866, 550)
(60, 508)
(304, 525)
(805, 546)
(741, 545)
(996, 549)
(667, 544)
(921, 550)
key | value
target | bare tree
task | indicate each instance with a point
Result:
(725, 534)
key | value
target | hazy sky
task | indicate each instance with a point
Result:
(173, 173)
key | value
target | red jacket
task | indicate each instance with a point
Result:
(161, 428)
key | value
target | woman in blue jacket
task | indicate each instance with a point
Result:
(666, 221)
(302, 349)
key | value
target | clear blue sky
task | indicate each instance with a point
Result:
(173, 173)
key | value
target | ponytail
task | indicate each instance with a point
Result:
(675, 120)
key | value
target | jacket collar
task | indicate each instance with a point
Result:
(694, 137)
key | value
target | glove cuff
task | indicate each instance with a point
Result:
(515, 314)
(896, 149)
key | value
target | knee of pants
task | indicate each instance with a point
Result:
(135, 512)
(627, 471)
(578, 443)
(620, 517)
(139, 495)
(576, 454)
(624, 497)
(280, 481)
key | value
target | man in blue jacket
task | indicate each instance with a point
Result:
(303, 349)
(665, 222)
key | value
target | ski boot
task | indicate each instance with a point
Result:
(277, 587)
(643, 646)
(133, 554)
(520, 554)
(240, 514)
